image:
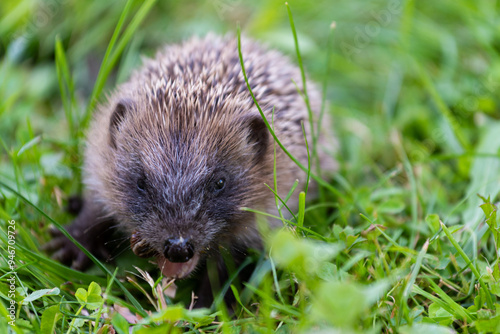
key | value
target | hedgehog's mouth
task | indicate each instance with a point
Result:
(177, 269)
(169, 269)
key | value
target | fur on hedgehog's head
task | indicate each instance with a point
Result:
(182, 171)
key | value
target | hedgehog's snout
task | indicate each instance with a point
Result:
(178, 249)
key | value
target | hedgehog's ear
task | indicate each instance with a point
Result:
(123, 107)
(258, 136)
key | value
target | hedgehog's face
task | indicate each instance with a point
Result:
(180, 191)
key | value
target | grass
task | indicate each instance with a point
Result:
(398, 240)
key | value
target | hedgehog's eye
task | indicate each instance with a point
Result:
(141, 184)
(220, 184)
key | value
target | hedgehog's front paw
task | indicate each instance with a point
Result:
(89, 229)
(65, 251)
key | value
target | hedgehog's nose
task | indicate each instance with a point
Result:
(178, 249)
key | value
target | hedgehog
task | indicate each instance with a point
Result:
(178, 150)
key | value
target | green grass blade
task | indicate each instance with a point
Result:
(470, 265)
(113, 53)
(33, 142)
(283, 203)
(316, 177)
(442, 107)
(323, 103)
(305, 229)
(302, 209)
(398, 144)
(441, 303)
(277, 198)
(308, 159)
(102, 75)
(292, 189)
(303, 76)
(66, 86)
(458, 310)
(412, 279)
